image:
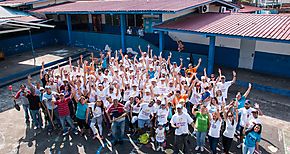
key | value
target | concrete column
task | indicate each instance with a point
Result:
(69, 28)
(123, 31)
(90, 23)
(161, 41)
(211, 51)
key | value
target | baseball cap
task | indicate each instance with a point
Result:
(178, 106)
(205, 95)
(47, 87)
(163, 103)
(61, 94)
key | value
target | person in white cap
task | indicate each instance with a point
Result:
(224, 85)
(162, 114)
(180, 122)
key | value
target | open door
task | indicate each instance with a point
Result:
(247, 53)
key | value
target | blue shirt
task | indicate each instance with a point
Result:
(252, 138)
(81, 111)
(241, 102)
(151, 74)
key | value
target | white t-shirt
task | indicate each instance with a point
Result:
(182, 121)
(96, 110)
(215, 127)
(102, 94)
(246, 116)
(128, 106)
(160, 136)
(145, 111)
(254, 121)
(224, 87)
(230, 129)
(162, 116)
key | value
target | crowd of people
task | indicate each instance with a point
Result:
(150, 94)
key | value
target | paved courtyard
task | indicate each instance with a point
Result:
(17, 137)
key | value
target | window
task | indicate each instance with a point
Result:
(139, 20)
(108, 19)
(116, 20)
(131, 20)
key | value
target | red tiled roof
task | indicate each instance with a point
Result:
(126, 6)
(267, 26)
(249, 9)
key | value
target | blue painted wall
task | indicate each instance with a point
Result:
(20, 44)
(274, 64)
(264, 62)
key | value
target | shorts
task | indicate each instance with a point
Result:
(142, 123)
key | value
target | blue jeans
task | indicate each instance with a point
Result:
(118, 129)
(68, 120)
(248, 150)
(36, 118)
(213, 142)
(142, 123)
(200, 138)
(26, 111)
(55, 117)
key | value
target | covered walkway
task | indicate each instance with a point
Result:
(273, 28)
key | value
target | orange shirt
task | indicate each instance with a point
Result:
(176, 100)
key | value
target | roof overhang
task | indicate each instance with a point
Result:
(128, 7)
(10, 26)
(271, 28)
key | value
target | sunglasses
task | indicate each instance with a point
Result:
(230, 115)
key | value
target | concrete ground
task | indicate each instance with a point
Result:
(24, 61)
(17, 137)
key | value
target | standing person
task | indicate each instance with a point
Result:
(228, 134)
(180, 122)
(51, 110)
(201, 125)
(82, 114)
(21, 94)
(252, 139)
(214, 131)
(160, 137)
(246, 116)
(97, 110)
(117, 116)
(34, 106)
(64, 113)
(145, 115)
(224, 85)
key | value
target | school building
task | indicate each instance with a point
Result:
(215, 30)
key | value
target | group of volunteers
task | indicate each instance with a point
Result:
(151, 94)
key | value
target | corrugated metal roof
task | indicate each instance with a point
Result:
(15, 3)
(127, 6)
(10, 13)
(7, 13)
(249, 9)
(267, 26)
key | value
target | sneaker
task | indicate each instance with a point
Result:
(239, 146)
(65, 133)
(196, 148)
(158, 148)
(152, 139)
(162, 149)
(201, 149)
(35, 128)
(109, 134)
(76, 132)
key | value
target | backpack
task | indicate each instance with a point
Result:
(144, 138)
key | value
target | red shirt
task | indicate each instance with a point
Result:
(115, 111)
(62, 105)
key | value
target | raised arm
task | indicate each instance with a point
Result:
(248, 90)
(234, 77)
